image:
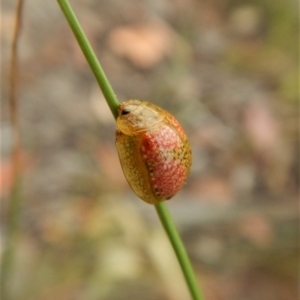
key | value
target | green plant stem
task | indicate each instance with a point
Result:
(12, 236)
(12, 233)
(112, 101)
(179, 249)
(90, 56)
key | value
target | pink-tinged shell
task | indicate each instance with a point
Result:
(154, 151)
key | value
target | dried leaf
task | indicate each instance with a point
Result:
(144, 46)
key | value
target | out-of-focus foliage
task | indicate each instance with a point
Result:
(228, 70)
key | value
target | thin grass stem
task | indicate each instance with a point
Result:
(112, 101)
(90, 56)
(14, 203)
(179, 249)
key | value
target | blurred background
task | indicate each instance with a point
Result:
(228, 70)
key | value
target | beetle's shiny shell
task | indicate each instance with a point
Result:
(154, 151)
